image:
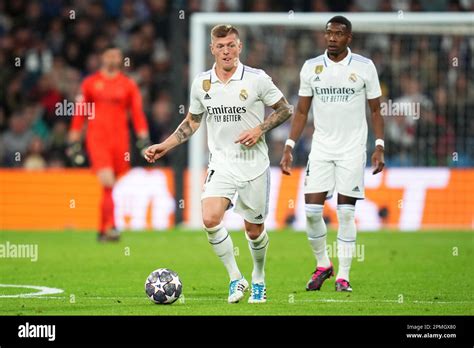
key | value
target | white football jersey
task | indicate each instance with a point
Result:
(231, 108)
(339, 92)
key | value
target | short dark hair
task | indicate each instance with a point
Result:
(341, 20)
(110, 46)
(222, 30)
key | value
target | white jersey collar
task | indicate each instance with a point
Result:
(347, 59)
(238, 74)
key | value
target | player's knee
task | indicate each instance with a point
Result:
(346, 214)
(211, 220)
(253, 234)
(347, 227)
(254, 230)
(106, 177)
(314, 212)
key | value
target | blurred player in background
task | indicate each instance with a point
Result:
(112, 95)
(337, 83)
(232, 98)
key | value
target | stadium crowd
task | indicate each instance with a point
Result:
(47, 47)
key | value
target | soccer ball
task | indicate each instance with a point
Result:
(163, 286)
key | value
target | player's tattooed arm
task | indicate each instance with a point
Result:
(197, 118)
(184, 131)
(187, 128)
(283, 111)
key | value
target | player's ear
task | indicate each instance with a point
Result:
(349, 38)
(240, 46)
(211, 47)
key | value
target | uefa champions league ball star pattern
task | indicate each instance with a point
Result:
(163, 286)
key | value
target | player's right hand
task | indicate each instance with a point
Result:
(155, 152)
(286, 162)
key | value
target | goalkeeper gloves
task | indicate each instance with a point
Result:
(142, 144)
(76, 154)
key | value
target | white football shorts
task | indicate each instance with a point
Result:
(252, 196)
(343, 176)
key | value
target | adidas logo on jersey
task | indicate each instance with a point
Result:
(356, 189)
(317, 78)
(260, 217)
(207, 96)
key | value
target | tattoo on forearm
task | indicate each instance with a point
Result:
(283, 111)
(197, 118)
(184, 132)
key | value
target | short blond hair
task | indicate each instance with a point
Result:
(222, 30)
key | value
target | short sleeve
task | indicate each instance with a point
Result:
(268, 92)
(372, 84)
(305, 86)
(195, 104)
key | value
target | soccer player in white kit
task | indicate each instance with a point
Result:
(337, 84)
(232, 98)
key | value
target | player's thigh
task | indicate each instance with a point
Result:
(121, 158)
(213, 210)
(350, 176)
(218, 190)
(315, 198)
(101, 161)
(320, 181)
(253, 199)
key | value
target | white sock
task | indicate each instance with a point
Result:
(317, 232)
(346, 237)
(222, 244)
(258, 248)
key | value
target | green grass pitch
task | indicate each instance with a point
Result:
(425, 273)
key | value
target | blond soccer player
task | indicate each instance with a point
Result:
(231, 97)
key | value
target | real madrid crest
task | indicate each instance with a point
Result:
(353, 77)
(318, 69)
(243, 95)
(206, 85)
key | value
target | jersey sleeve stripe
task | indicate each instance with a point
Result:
(253, 70)
(360, 59)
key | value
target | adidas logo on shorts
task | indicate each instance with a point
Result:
(260, 217)
(356, 189)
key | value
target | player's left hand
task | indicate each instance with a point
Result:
(377, 160)
(249, 137)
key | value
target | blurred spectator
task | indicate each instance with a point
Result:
(34, 159)
(15, 140)
(48, 95)
(161, 118)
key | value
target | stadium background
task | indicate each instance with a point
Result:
(45, 53)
